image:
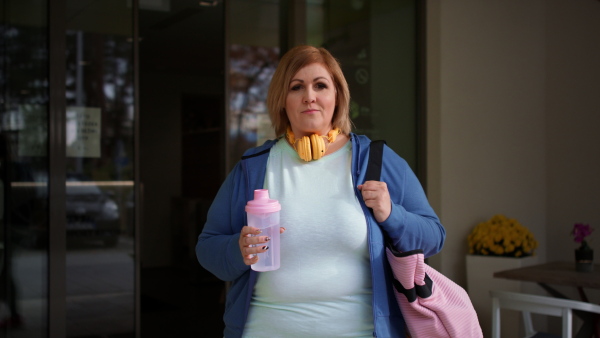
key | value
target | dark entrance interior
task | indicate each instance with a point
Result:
(182, 85)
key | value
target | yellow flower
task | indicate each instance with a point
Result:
(501, 236)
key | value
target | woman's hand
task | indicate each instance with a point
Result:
(248, 238)
(377, 197)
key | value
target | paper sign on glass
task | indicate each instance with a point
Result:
(83, 132)
(32, 122)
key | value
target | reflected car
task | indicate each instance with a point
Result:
(92, 213)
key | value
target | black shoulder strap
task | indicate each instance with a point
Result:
(375, 159)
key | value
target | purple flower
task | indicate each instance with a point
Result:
(581, 231)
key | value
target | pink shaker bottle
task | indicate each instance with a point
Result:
(263, 213)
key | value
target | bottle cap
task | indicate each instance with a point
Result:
(261, 204)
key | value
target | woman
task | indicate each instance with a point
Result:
(334, 279)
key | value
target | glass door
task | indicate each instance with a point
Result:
(85, 288)
(253, 50)
(100, 172)
(24, 168)
(377, 45)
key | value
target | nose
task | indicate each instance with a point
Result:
(309, 96)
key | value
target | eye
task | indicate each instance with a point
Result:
(321, 85)
(296, 87)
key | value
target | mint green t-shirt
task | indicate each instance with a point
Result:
(323, 287)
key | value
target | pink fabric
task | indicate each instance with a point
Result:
(447, 312)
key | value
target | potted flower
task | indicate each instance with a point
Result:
(584, 254)
(497, 244)
(501, 236)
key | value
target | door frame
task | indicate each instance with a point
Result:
(57, 289)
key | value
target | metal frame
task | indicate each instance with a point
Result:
(421, 92)
(138, 186)
(292, 24)
(57, 170)
(225, 121)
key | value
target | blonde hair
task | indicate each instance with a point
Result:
(294, 60)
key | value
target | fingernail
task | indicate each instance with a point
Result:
(267, 239)
(258, 231)
(265, 247)
(284, 229)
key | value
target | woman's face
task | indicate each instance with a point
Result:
(310, 101)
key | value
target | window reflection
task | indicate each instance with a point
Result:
(375, 42)
(99, 178)
(251, 69)
(253, 36)
(92, 213)
(23, 172)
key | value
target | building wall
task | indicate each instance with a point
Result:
(513, 112)
(487, 145)
(572, 122)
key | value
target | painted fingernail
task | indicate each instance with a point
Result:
(267, 239)
(265, 247)
(258, 231)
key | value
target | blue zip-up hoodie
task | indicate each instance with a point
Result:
(411, 225)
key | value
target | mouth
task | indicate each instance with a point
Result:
(310, 111)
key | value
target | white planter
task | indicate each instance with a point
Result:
(480, 280)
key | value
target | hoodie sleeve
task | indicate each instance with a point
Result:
(412, 223)
(217, 249)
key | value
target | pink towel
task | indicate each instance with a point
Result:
(432, 304)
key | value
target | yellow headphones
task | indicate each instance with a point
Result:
(313, 147)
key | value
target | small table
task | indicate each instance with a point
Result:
(558, 273)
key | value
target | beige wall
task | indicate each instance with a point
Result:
(514, 113)
(572, 121)
(572, 126)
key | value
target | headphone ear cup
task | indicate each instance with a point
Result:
(317, 145)
(304, 148)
